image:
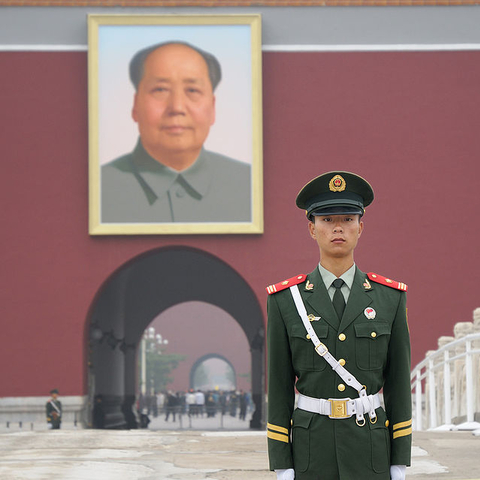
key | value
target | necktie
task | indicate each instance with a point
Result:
(338, 298)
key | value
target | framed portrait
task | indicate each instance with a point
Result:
(175, 124)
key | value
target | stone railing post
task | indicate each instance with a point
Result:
(460, 330)
(476, 363)
(445, 383)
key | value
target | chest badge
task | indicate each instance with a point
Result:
(370, 313)
(313, 318)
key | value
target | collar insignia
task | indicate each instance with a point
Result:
(367, 285)
(309, 286)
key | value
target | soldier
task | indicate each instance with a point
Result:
(338, 336)
(54, 410)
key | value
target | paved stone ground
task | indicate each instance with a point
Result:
(182, 454)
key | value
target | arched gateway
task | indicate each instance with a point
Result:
(200, 361)
(137, 293)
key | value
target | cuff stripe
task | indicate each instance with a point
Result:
(408, 423)
(278, 436)
(276, 428)
(402, 433)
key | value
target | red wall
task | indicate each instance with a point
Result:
(408, 122)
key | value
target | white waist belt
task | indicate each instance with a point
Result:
(342, 372)
(340, 407)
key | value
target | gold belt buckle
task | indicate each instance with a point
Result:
(338, 408)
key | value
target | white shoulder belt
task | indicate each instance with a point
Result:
(367, 400)
(53, 404)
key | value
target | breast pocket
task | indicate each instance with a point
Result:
(303, 351)
(372, 344)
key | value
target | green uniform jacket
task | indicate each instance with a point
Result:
(136, 188)
(376, 351)
(54, 415)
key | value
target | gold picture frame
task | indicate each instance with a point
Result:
(235, 195)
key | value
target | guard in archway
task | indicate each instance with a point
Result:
(54, 411)
(338, 336)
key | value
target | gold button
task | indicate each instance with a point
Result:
(373, 334)
(342, 362)
(342, 337)
(341, 387)
(308, 337)
(387, 423)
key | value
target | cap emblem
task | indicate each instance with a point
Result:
(337, 184)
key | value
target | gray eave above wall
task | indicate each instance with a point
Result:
(283, 28)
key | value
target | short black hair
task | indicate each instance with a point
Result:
(138, 61)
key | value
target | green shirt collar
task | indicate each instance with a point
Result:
(328, 278)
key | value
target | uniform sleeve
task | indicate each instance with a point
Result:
(397, 390)
(281, 394)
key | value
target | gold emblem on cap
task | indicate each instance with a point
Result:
(337, 184)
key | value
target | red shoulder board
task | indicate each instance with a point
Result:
(387, 281)
(278, 287)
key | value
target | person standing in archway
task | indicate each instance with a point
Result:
(54, 411)
(338, 336)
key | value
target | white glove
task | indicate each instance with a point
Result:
(397, 472)
(288, 474)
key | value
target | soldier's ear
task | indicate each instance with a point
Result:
(360, 228)
(311, 229)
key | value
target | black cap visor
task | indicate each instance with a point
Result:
(337, 210)
(334, 204)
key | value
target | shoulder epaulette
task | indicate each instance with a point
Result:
(387, 281)
(278, 287)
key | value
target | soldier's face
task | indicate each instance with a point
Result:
(336, 235)
(174, 105)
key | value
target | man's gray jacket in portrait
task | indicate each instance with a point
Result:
(135, 188)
